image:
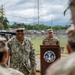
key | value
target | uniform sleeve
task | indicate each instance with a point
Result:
(32, 57)
(9, 45)
(43, 42)
(15, 72)
(57, 42)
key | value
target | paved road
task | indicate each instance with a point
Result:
(38, 62)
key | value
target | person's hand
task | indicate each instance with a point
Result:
(33, 72)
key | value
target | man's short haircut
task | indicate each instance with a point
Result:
(72, 45)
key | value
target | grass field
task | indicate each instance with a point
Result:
(37, 73)
(38, 42)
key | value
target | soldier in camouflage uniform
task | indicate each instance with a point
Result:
(3, 60)
(50, 39)
(66, 65)
(22, 53)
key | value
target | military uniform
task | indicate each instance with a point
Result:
(64, 66)
(4, 71)
(14, 72)
(9, 71)
(50, 41)
(22, 56)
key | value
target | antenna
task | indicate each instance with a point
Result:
(38, 5)
(38, 10)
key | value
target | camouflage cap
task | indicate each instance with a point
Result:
(2, 39)
(20, 27)
(3, 46)
(50, 30)
(70, 29)
(70, 33)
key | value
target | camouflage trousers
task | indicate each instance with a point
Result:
(24, 71)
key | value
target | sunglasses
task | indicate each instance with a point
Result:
(50, 33)
(19, 30)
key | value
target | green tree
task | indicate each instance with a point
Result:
(4, 21)
(13, 25)
(56, 27)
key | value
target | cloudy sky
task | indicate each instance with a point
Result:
(26, 11)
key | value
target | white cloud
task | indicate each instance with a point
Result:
(49, 17)
(21, 13)
(19, 10)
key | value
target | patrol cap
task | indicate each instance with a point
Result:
(70, 33)
(70, 29)
(20, 27)
(2, 39)
(50, 30)
(3, 46)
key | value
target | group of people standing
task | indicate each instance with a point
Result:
(18, 53)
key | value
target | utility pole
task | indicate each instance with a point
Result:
(38, 11)
(2, 14)
(2, 10)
